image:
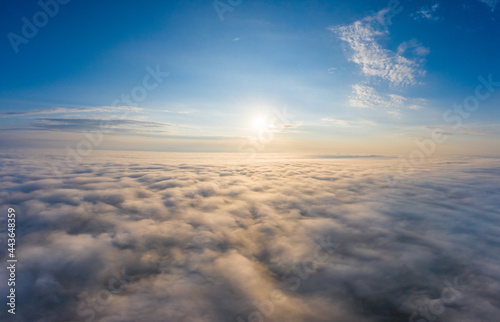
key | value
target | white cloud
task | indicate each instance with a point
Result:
(178, 112)
(374, 60)
(377, 63)
(191, 239)
(347, 123)
(367, 97)
(427, 13)
(413, 47)
(64, 110)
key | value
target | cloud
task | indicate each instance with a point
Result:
(178, 112)
(378, 63)
(64, 110)
(104, 125)
(367, 97)
(348, 156)
(107, 119)
(415, 107)
(284, 128)
(427, 13)
(413, 47)
(347, 123)
(473, 129)
(374, 60)
(131, 236)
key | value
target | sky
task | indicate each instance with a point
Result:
(368, 183)
(330, 77)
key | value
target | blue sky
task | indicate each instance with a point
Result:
(347, 78)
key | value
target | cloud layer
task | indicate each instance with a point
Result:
(173, 237)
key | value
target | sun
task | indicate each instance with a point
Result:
(260, 123)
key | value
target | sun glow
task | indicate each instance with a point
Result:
(260, 123)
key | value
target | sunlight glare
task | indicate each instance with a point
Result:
(260, 123)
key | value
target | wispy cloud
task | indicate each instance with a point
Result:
(376, 61)
(347, 123)
(379, 63)
(77, 125)
(473, 129)
(65, 110)
(428, 13)
(367, 97)
(413, 47)
(178, 112)
(285, 128)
